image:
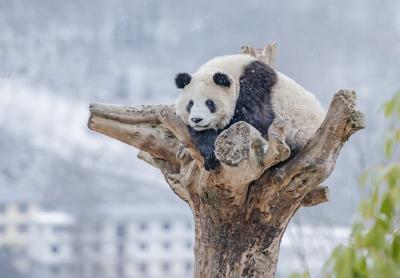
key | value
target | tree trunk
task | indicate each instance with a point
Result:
(242, 209)
(237, 245)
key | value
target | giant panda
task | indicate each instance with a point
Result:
(233, 88)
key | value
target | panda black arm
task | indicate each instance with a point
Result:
(254, 102)
(205, 141)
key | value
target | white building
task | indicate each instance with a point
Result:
(41, 243)
(146, 240)
(307, 247)
(50, 247)
(16, 211)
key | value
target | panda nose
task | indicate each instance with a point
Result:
(196, 120)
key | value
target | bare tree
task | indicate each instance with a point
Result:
(242, 209)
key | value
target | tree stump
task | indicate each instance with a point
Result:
(242, 209)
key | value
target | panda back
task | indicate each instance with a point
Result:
(301, 112)
(234, 65)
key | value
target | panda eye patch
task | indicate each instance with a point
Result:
(211, 105)
(189, 106)
(222, 79)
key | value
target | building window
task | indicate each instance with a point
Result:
(188, 244)
(22, 228)
(121, 250)
(120, 270)
(166, 226)
(3, 229)
(166, 267)
(143, 226)
(121, 230)
(188, 266)
(55, 249)
(96, 247)
(23, 207)
(143, 245)
(166, 245)
(142, 267)
(98, 227)
(61, 229)
(55, 270)
(97, 269)
(77, 248)
(3, 208)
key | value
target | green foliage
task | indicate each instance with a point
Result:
(374, 246)
(391, 109)
(392, 106)
(300, 275)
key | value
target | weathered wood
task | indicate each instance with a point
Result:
(143, 114)
(172, 121)
(165, 166)
(244, 154)
(316, 196)
(242, 209)
(266, 54)
(152, 138)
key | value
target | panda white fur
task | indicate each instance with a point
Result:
(233, 88)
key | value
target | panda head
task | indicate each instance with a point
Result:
(207, 100)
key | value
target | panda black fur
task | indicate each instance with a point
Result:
(234, 88)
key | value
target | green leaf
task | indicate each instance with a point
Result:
(395, 247)
(357, 229)
(343, 267)
(388, 108)
(389, 147)
(375, 238)
(397, 135)
(374, 246)
(387, 207)
(363, 178)
(300, 275)
(360, 266)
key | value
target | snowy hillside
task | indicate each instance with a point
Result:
(48, 148)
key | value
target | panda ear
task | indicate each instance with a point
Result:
(222, 79)
(182, 79)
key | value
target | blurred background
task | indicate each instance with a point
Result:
(74, 203)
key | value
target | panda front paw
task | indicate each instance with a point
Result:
(210, 163)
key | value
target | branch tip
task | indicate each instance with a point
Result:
(316, 196)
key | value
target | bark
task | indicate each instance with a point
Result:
(241, 210)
